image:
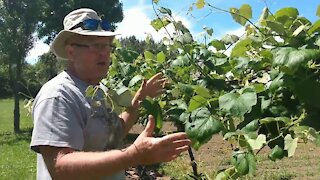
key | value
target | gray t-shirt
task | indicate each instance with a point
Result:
(64, 117)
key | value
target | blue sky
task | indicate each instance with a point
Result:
(139, 13)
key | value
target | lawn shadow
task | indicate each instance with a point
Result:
(10, 138)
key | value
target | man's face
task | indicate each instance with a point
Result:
(89, 57)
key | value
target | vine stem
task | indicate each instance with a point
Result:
(193, 162)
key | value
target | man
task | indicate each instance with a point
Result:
(77, 139)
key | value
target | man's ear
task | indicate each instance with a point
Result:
(69, 51)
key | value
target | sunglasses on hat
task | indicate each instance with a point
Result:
(93, 24)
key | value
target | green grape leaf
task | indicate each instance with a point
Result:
(148, 55)
(318, 11)
(241, 47)
(202, 91)
(293, 58)
(252, 163)
(315, 27)
(246, 11)
(290, 144)
(240, 162)
(90, 91)
(155, 110)
(201, 126)
(276, 83)
(157, 24)
(252, 126)
(276, 153)
(284, 14)
(238, 104)
(228, 174)
(161, 57)
(217, 44)
(239, 14)
(196, 102)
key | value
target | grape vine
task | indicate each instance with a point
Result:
(265, 93)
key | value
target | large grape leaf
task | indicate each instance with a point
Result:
(219, 45)
(244, 162)
(276, 153)
(293, 58)
(196, 102)
(285, 14)
(241, 47)
(157, 24)
(239, 15)
(201, 126)
(155, 110)
(161, 57)
(238, 104)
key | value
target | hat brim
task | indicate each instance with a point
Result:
(58, 44)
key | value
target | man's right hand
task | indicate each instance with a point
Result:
(150, 150)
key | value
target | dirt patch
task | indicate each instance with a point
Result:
(215, 156)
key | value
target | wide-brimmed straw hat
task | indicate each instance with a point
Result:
(72, 20)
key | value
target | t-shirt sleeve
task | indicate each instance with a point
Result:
(57, 122)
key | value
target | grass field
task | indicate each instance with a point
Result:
(17, 161)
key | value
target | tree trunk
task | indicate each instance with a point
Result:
(15, 87)
(15, 78)
(16, 111)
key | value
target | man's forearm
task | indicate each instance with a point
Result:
(129, 118)
(92, 165)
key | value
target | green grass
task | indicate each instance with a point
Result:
(17, 161)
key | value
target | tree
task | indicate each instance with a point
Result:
(140, 46)
(55, 10)
(18, 22)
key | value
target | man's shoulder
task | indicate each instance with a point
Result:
(61, 85)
